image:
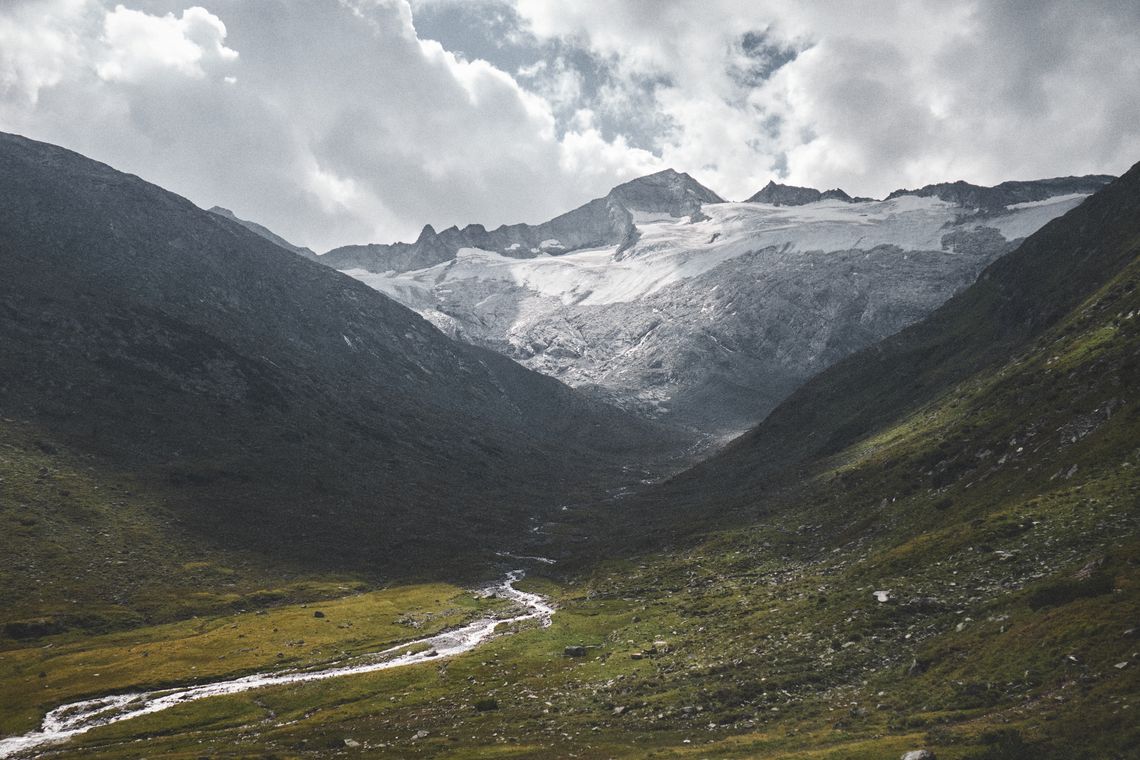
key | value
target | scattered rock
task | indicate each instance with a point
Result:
(351, 743)
(421, 734)
(919, 754)
(1089, 569)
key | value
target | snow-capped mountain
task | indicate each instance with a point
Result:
(666, 300)
(608, 221)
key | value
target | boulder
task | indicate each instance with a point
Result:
(919, 754)
(574, 651)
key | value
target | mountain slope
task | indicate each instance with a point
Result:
(277, 404)
(935, 543)
(264, 232)
(709, 321)
(1015, 300)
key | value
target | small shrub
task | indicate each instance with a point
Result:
(1068, 590)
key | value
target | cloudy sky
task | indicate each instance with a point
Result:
(338, 121)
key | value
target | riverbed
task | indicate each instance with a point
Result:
(74, 718)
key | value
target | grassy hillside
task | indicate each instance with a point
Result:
(90, 549)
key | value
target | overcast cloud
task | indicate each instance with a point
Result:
(361, 120)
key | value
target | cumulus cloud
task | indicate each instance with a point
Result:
(871, 96)
(38, 45)
(141, 45)
(360, 120)
(330, 122)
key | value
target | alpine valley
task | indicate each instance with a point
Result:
(804, 476)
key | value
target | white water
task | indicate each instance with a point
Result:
(74, 718)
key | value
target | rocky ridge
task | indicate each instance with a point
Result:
(790, 195)
(707, 317)
(601, 222)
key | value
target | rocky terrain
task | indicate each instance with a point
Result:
(706, 314)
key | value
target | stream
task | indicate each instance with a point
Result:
(74, 718)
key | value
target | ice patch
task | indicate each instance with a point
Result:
(670, 250)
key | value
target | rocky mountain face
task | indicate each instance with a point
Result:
(601, 222)
(975, 197)
(706, 314)
(264, 232)
(283, 406)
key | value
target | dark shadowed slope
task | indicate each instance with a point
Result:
(264, 232)
(281, 405)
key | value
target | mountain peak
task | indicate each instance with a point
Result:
(777, 194)
(665, 191)
(790, 195)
